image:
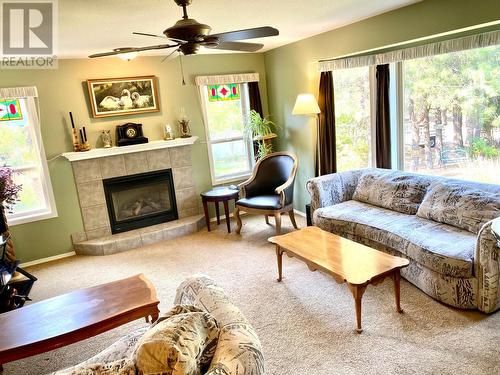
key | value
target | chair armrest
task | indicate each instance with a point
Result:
(246, 185)
(332, 188)
(487, 269)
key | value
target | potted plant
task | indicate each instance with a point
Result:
(9, 191)
(261, 130)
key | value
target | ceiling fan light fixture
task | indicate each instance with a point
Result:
(127, 56)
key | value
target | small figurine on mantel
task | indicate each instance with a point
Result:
(184, 124)
(167, 133)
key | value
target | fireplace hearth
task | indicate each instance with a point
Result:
(140, 200)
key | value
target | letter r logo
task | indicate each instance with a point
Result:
(27, 28)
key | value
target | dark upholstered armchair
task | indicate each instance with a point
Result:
(269, 191)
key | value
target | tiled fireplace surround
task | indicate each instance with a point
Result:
(89, 173)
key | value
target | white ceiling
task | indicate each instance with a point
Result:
(91, 26)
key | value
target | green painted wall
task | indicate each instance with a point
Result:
(292, 69)
(64, 90)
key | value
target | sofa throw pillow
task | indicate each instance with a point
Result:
(181, 344)
(460, 206)
(392, 190)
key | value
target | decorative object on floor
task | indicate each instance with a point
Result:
(188, 35)
(9, 195)
(38, 328)
(346, 261)
(238, 349)
(106, 138)
(269, 191)
(442, 225)
(260, 129)
(129, 134)
(219, 194)
(168, 134)
(84, 144)
(123, 96)
(74, 134)
(306, 104)
(184, 124)
(15, 283)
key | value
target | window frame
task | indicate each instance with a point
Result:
(372, 85)
(245, 100)
(50, 210)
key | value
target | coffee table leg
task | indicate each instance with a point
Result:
(279, 257)
(357, 292)
(397, 290)
(207, 218)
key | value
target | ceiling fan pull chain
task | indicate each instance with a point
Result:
(182, 69)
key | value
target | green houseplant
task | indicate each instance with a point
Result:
(260, 129)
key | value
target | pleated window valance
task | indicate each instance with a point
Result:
(447, 46)
(227, 78)
(18, 92)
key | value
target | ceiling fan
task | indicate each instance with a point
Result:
(188, 35)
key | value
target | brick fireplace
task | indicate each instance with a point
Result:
(95, 169)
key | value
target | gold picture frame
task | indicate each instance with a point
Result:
(123, 96)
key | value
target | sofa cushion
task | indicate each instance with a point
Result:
(397, 191)
(123, 366)
(440, 247)
(460, 205)
(180, 344)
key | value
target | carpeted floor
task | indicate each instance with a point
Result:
(305, 323)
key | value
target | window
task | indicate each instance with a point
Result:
(226, 107)
(451, 114)
(22, 150)
(353, 118)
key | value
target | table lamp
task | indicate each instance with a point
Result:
(306, 104)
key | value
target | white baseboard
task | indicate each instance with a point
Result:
(300, 213)
(48, 259)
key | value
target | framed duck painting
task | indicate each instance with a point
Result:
(123, 96)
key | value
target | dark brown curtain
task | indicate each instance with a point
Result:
(254, 96)
(327, 146)
(383, 121)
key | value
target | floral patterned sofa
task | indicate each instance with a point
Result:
(238, 350)
(442, 225)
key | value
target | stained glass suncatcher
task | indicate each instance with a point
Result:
(10, 110)
(229, 91)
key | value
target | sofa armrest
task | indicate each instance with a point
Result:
(332, 188)
(487, 269)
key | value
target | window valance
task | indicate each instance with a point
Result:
(227, 78)
(447, 46)
(18, 92)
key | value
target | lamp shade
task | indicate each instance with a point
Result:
(306, 104)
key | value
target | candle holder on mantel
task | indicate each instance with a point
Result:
(184, 124)
(167, 133)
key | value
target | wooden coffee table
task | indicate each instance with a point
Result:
(345, 260)
(66, 319)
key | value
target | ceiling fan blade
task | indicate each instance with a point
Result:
(257, 32)
(160, 36)
(170, 54)
(237, 46)
(118, 51)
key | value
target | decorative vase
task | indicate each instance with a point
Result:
(4, 231)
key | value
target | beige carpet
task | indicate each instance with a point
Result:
(305, 323)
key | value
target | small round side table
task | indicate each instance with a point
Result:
(219, 194)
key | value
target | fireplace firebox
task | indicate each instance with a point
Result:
(140, 200)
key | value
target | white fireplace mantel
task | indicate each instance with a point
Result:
(104, 152)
